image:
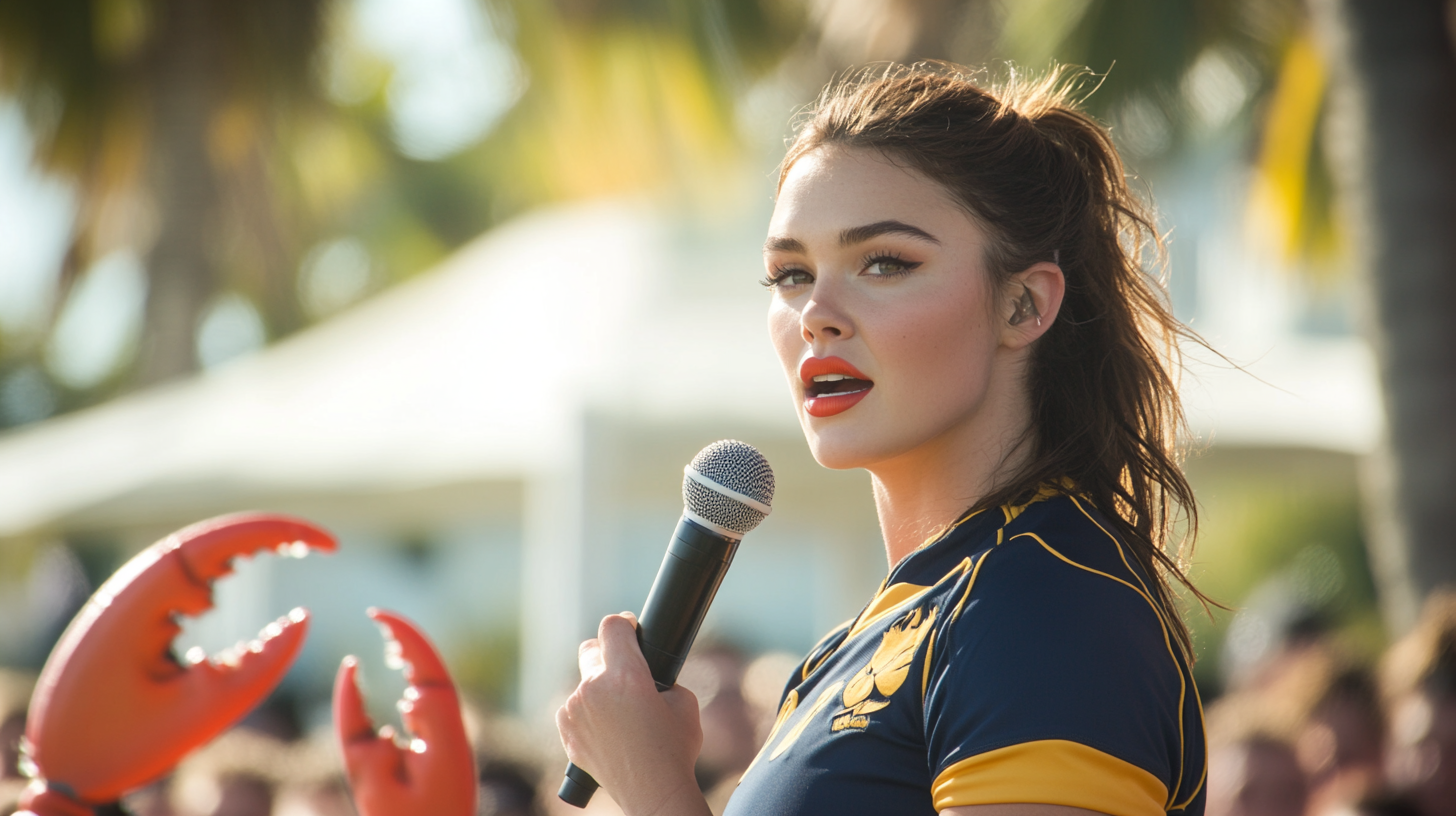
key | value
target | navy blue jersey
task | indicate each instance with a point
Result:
(1019, 657)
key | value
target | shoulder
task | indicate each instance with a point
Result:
(1058, 566)
(1061, 658)
(1059, 603)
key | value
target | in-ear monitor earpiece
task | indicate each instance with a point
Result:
(1025, 307)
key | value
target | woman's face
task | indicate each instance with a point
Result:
(883, 313)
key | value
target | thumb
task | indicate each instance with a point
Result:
(620, 649)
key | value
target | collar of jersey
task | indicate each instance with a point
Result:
(1009, 512)
(894, 594)
(891, 596)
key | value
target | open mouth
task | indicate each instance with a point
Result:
(825, 385)
(832, 386)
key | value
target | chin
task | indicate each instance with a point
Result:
(842, 447)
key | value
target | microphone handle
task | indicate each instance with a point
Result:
(696, 561)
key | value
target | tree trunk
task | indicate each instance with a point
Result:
(1391, 133)
(182, 272)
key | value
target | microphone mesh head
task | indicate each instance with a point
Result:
(736, 468)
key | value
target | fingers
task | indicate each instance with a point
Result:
(681, 700)
(615, 646)
(565, 729)
(684, 707)
(589, 659)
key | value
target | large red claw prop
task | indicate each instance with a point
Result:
(113, 708)
(435, 774)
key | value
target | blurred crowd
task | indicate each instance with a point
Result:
(1311, 731)
(1315, 730)
(270, 765)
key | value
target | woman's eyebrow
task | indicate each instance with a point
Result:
(783, 244)
(855, 235)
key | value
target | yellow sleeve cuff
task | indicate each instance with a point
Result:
(1051, 772)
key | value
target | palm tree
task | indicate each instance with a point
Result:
(168, 117)
(1391, 132)
(181, 124)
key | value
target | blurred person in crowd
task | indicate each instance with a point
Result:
(328, 796)
(958, 301)
(1255, 776)
(238, 774)
(512, 757)
(15, 690)
(763, 686)
(153, 800)
(1418, 682)
(1253, 769)
(760, 688)
(507, 788)
(1384, 804)
(1332, 712)
(1272, 630)
(309, 778)
(714, 674)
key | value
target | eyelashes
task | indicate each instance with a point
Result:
(779, 276)
(893, 264)
(890, 264)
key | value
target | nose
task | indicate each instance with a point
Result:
(824, 317)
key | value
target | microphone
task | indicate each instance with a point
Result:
(727, 490)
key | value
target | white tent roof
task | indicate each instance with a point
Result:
(477, 369)
(481, 368)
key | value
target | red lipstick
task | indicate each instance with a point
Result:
(832, 386)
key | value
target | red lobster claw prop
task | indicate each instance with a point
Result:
(435, 774)
(114, 709)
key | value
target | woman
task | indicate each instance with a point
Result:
(958, 303)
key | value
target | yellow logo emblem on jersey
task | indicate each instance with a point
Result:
(872, 687)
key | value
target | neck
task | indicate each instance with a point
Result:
(920, 492)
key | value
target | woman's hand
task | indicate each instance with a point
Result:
(640, 744)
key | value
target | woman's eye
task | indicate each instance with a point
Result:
(787, 277)
(888, 267)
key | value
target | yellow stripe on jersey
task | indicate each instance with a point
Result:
(1051, 772)
(883, 604)
(793, 735)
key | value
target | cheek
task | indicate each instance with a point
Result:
(785, 333)
(943, 346)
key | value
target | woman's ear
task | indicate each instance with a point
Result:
(1030, 302)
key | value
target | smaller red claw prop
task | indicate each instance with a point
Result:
(113, 709)
(435, 774)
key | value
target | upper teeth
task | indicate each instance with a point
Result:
(832, 377)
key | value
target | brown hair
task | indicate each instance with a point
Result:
(1046, 184)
